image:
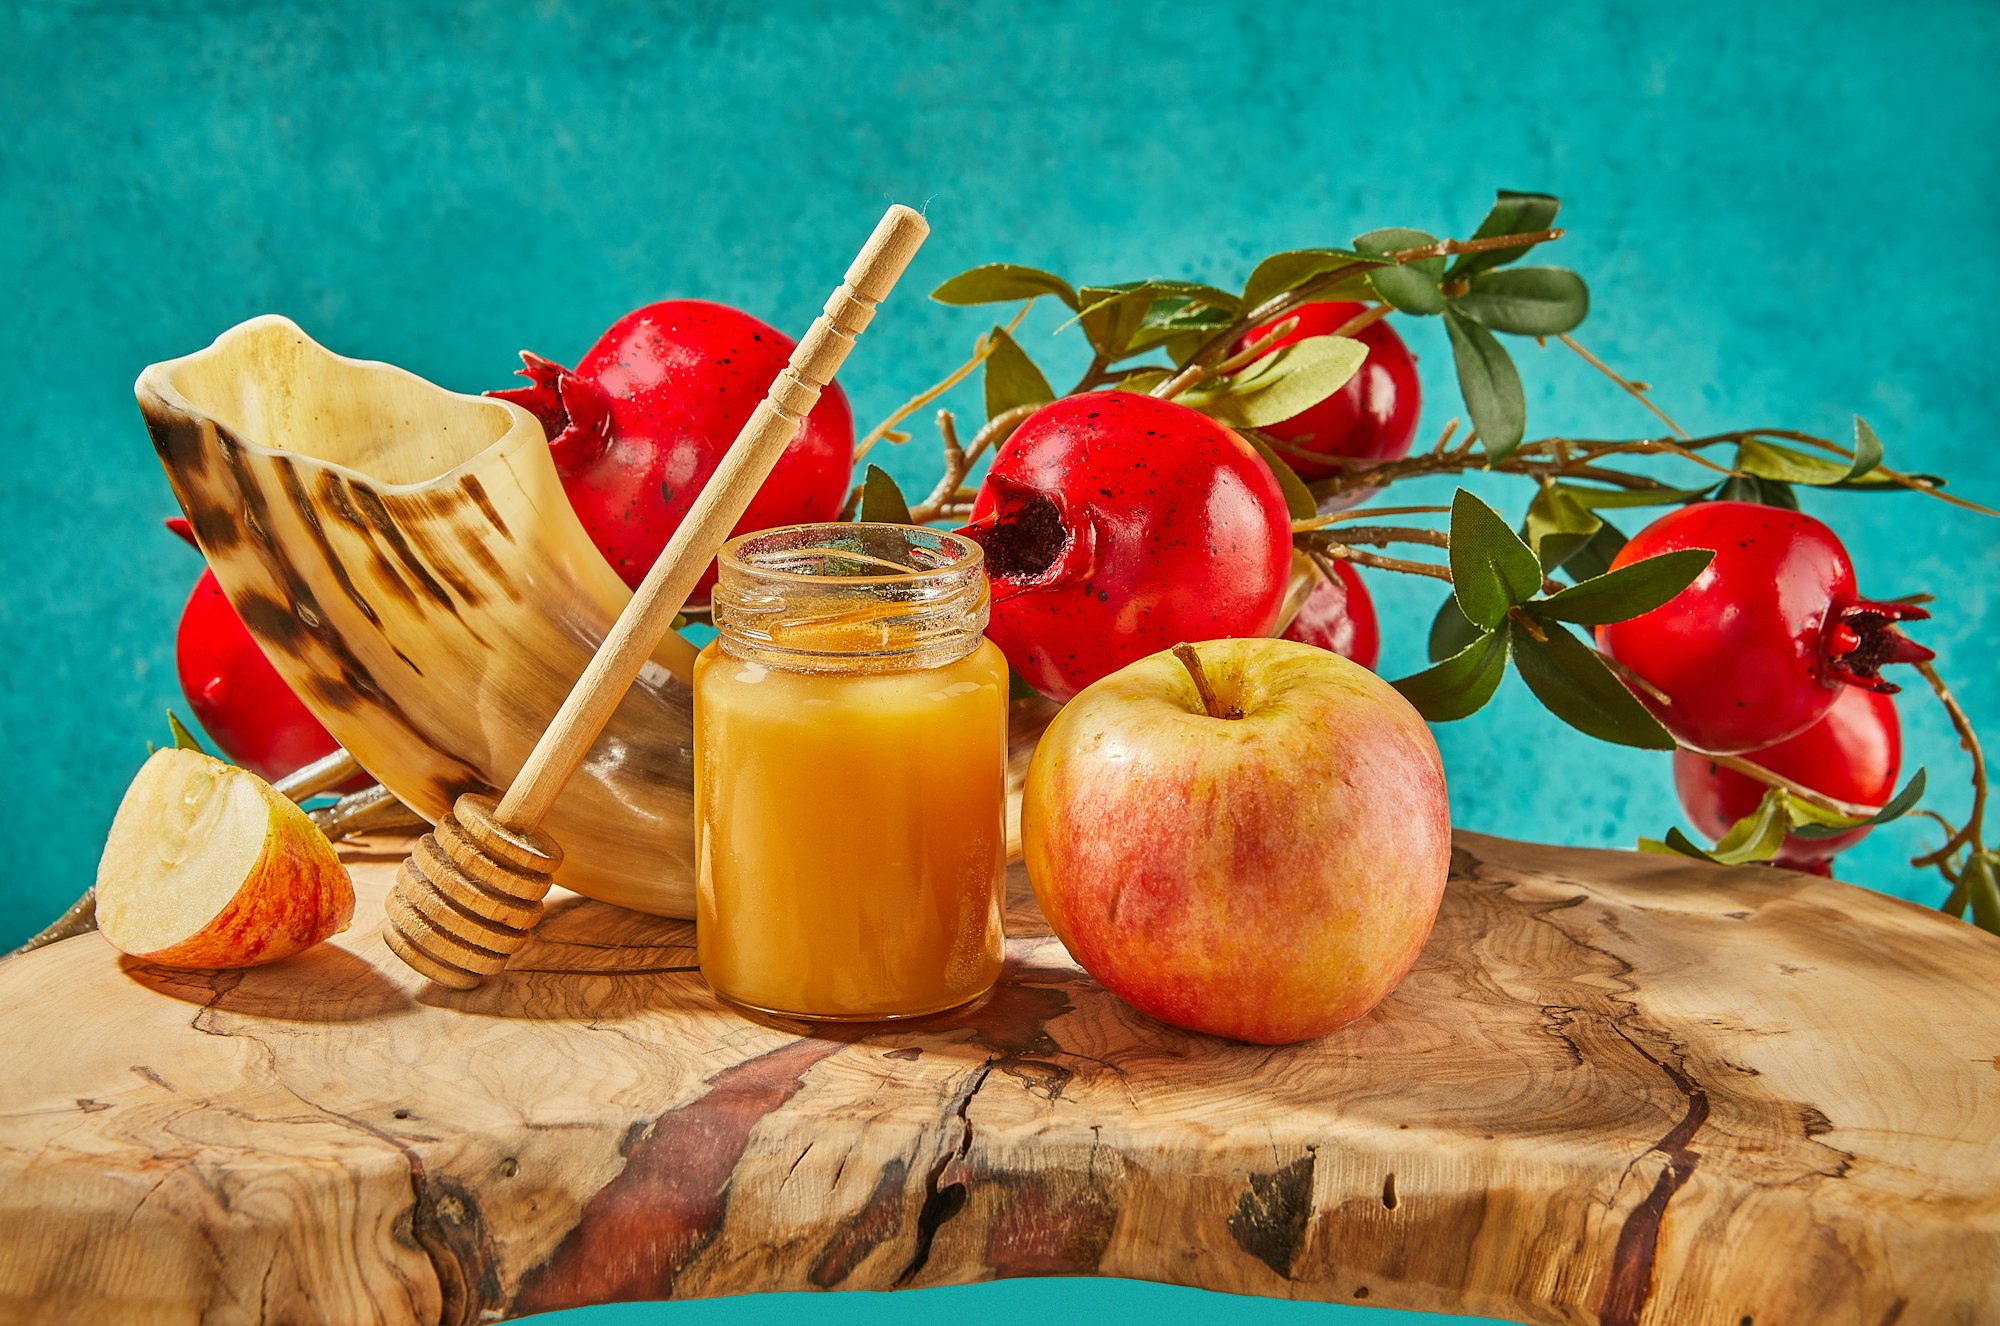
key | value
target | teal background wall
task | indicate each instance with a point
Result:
(1786, 211)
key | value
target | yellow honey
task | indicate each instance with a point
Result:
(850, 769)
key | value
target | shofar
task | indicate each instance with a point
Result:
(407, 558)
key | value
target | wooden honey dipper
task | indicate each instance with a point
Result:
(466, 899)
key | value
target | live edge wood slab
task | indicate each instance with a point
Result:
(1615, 1089)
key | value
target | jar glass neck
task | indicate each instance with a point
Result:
(850, 597)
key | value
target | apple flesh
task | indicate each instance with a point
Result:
(1268, 875)
(208, 866)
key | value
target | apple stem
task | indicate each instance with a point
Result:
(1212, 702)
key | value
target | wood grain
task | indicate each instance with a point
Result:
(1615, 1089)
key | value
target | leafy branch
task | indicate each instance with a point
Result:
(1518, 591)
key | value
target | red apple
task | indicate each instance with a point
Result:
(209, 866)
(1263, 864)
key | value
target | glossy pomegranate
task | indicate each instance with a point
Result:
(1338, 616)
(1854, 754)
(239, 699)
(1759, 647)
(1117, 525)
(1373, 417)
(640, 424)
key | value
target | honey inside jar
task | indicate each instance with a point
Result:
(850, 753)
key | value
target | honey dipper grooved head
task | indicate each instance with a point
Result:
(468, 896)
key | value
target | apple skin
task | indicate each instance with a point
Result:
(297, 895)
(1268, 878)
(282, 890)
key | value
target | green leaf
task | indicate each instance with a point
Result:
(1605, 499)
(1298, 498)
(183, 739)
(882, 501)
(1142, 380)
(1773, 493)
(1282, 384)
(1003, 282)
(1867, 449)
(1113, 316)
(1011, 377)
(1764, 492)
(1773, 460)
(1572, 682)
(1491, 569)
(1490, 384)
(1630, 591)
(1185, 299)
(1809, 821)
(1171, 314)
(1770, 460)
(1677, 844)
(1594, 558)
(1462, 683)
(1755, 837)
(1770, 465)
(1183, 346)
(1282, 273)
(1450, 631)
(1910, 481)
(1558, 526)
(1512, 214)
(1177, 317)
(1527, 301)
(1982, 882)
(1411, 287)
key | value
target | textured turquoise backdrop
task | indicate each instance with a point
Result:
(1787, 213)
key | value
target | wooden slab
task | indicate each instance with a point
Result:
(1616, 1089)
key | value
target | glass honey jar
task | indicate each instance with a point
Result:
(850, 749)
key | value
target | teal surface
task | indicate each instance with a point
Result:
(1786, 212)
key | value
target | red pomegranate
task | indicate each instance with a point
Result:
(1117, 525)
(239, 699)
(1338, 616)
(642, 421)
(1373, 417)
(1759, 647)
(1854, 755)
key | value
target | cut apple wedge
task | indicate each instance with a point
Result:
(209, 866)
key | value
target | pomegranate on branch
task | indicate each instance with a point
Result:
(1767, 637)
(1373, 417)
(1731, 624)
(1338, 616)
(1851, 755)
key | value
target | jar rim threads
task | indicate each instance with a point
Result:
(850, 596)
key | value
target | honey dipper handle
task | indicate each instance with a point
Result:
(721, 504)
